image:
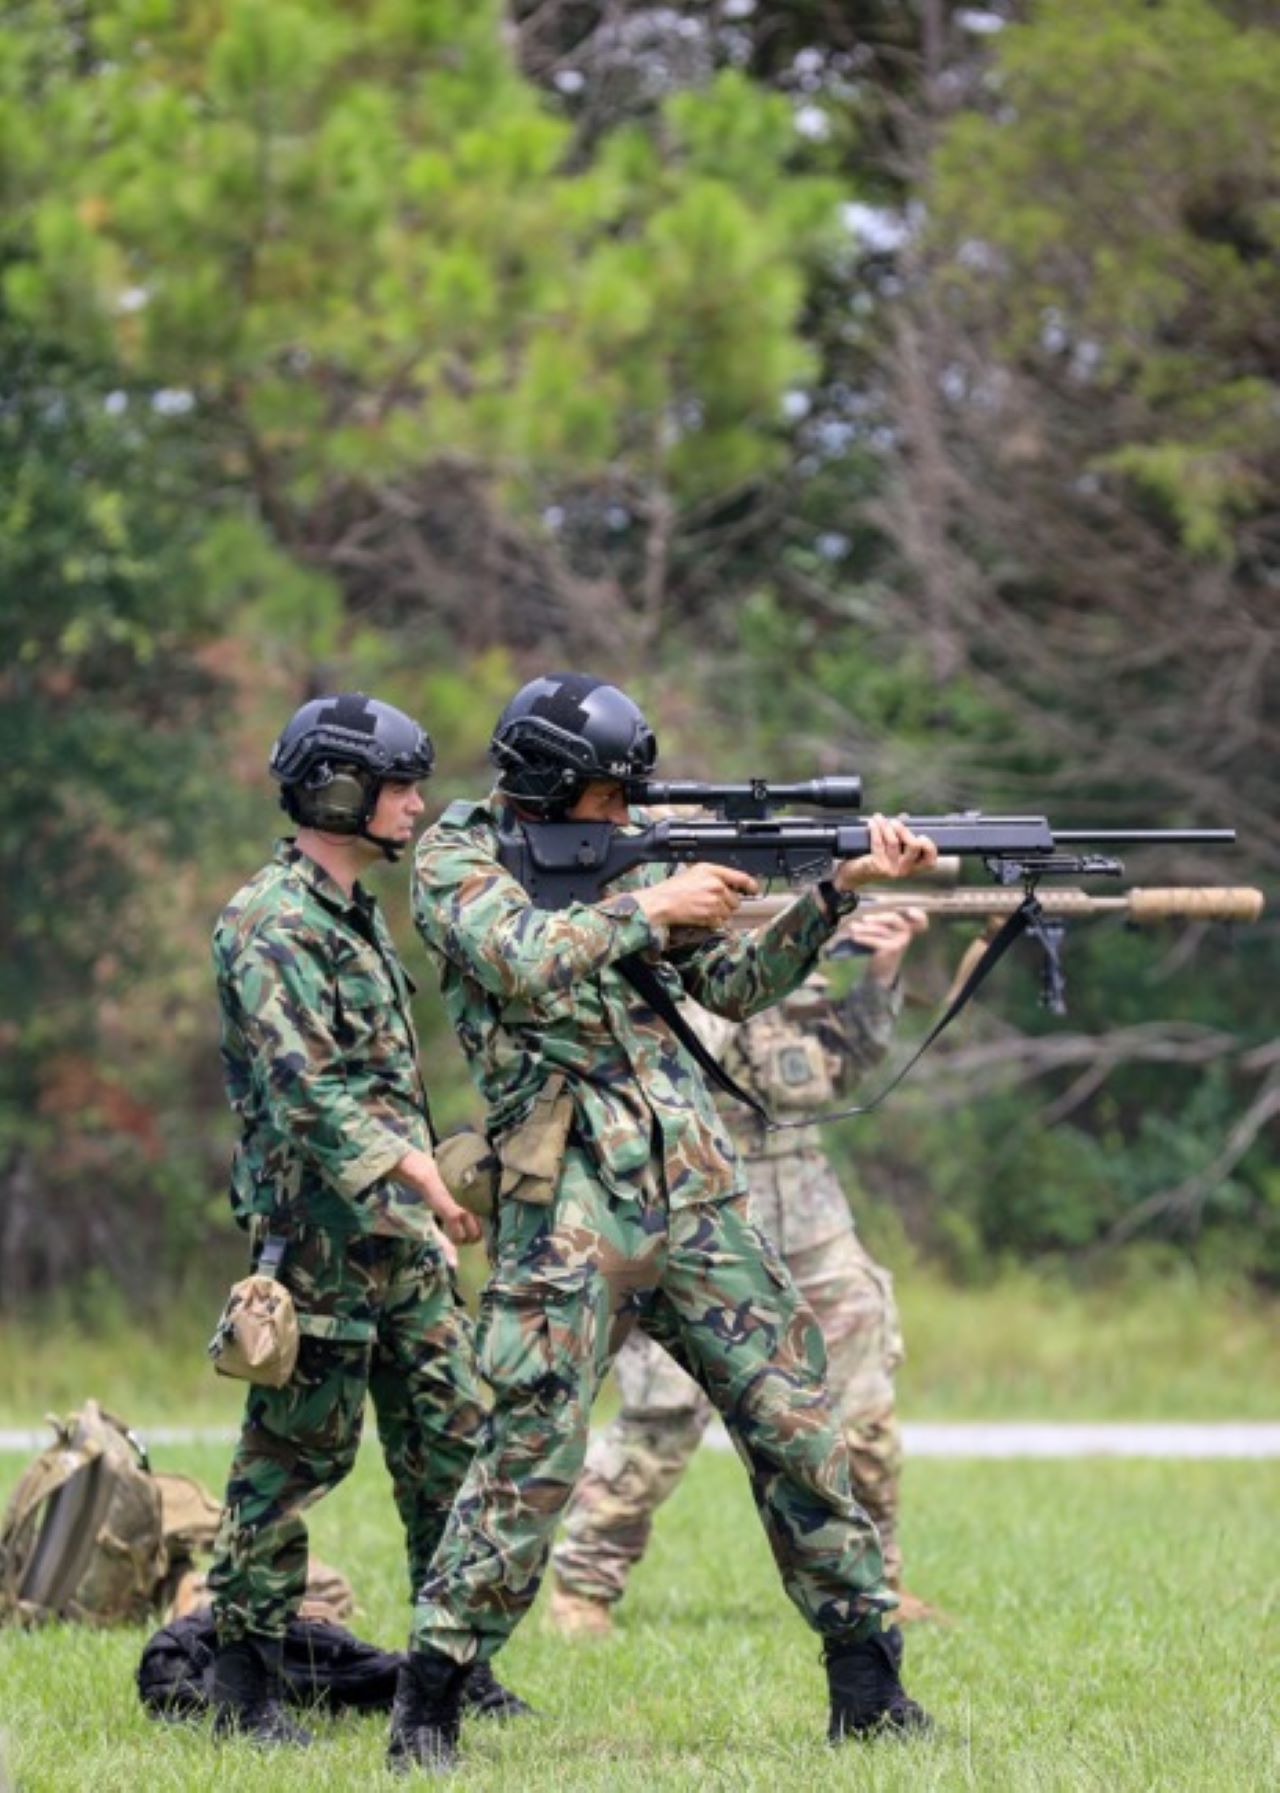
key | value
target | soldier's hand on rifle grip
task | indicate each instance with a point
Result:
(700, 896)
(894, 852)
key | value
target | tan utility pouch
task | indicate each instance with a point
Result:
(532, 1153)
(469, 1169)
(256, 1339)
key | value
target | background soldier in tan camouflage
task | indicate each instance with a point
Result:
(321, 1066)
(639, 1215)
(796, 1059)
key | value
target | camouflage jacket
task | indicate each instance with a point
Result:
(806, 1054)
(531, 992)
(319, 1054)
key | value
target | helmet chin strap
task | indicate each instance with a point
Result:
(390, 849)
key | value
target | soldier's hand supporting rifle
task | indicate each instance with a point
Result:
(706, 896)
(895, 853)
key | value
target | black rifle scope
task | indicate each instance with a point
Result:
(755, 797)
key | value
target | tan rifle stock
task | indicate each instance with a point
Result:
(1143, 907)
(1192, 903)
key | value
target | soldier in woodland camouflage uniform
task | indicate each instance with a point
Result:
(796, 1058)
(643, 1218)
(321, 1067)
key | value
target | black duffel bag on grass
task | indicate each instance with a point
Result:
(324, 1665)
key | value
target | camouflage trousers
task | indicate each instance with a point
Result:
(569, 1283)
(380, 1318)
(641, 1456)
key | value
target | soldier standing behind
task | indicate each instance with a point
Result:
(334, 1160)
(796, 1059)
(622, 1202)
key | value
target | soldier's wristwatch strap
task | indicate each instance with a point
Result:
(837, 903)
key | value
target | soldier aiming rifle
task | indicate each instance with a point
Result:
(549, 915)
(623, 1202)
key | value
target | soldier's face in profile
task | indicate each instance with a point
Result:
(397, 811)
(603, 800)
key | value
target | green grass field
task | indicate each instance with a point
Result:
(1027, 1347)
(1115, 1627)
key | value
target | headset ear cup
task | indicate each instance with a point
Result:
(340, 805)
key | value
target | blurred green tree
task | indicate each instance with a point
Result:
(349, 234)
(340, 351)
(1127, 218)
(106, 710)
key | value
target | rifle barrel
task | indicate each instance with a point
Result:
(1133, 837)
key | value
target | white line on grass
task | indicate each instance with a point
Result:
(928, 1438)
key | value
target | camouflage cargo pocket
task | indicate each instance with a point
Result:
(892, 1342)
(533, 1336)
(774, 1268)
(323, 1403)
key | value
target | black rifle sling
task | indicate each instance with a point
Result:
(645, 981)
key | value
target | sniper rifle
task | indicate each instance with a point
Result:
(572, 861)
(567, 861)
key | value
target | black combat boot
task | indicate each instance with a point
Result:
(867, 1698)
(427, 1714)
(485, 1696)
(244, 1691)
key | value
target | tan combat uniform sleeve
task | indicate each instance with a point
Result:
(859, 1028)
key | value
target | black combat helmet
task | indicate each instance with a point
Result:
(560, 732)
(335, 753)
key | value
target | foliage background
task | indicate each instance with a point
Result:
(889, 387)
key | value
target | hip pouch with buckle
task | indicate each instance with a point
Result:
(256, 1339)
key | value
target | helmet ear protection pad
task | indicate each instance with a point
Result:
(335, 799)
